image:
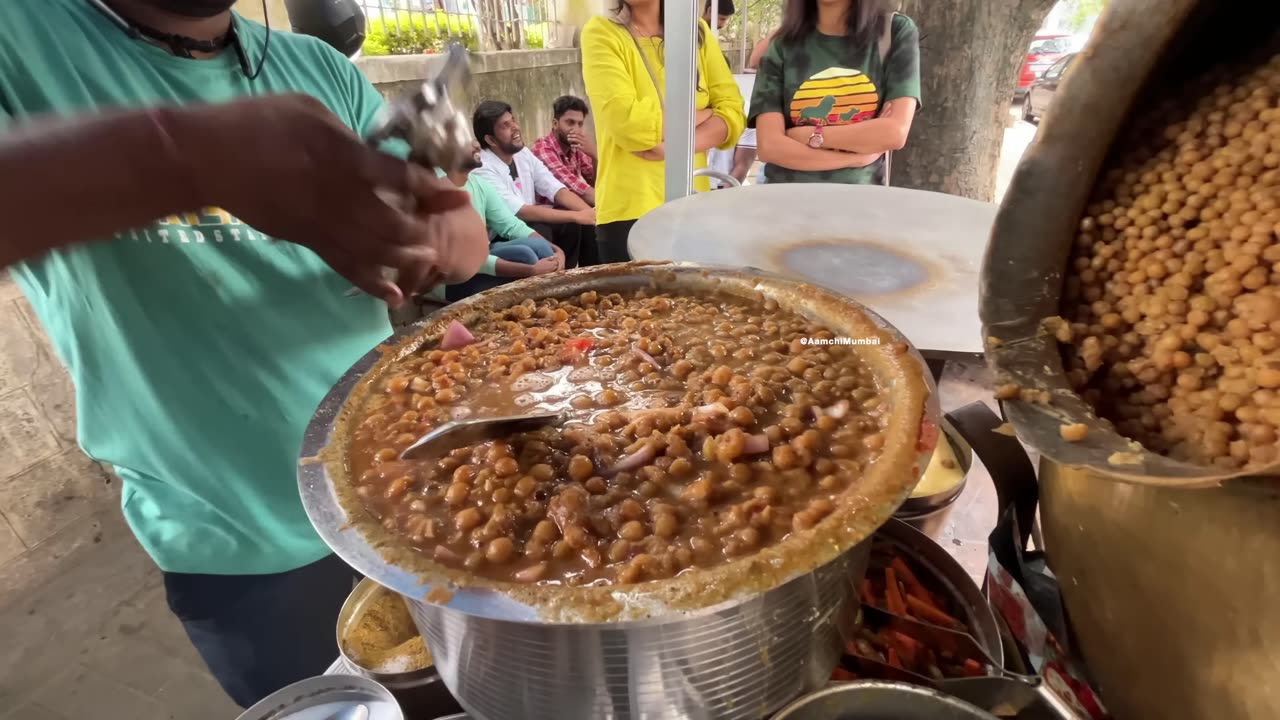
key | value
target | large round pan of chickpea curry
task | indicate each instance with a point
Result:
(718, 439)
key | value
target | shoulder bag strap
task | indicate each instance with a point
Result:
(885, 45)
(648, 67)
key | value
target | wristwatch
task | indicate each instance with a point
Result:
(816, 139)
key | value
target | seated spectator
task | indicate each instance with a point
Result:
(515, 250)
(567, 151)
(520, 179)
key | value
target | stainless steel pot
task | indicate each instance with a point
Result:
(880, 700)
(1166, 568)
(743, 656)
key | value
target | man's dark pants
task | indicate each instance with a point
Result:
(577, 241)
(259, 633)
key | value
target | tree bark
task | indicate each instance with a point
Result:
(971, 52)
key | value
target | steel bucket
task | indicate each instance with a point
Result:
(1164, 566)
(744, 655)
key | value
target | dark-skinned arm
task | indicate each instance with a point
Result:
(117, 170)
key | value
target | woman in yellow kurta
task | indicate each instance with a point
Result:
(625, 89)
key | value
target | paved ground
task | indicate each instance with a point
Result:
(86, 631)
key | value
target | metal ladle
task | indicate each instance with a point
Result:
(459, 433)
(1003, 693)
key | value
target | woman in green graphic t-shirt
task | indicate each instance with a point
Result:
(836, 91)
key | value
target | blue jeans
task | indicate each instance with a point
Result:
(258, 633)
(514, 250)
(526, 251)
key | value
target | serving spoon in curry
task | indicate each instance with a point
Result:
(460, 433)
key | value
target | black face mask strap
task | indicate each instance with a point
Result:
(183, 46)
(266, 46)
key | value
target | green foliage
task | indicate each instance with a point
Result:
(413, 33)
(1083, 12)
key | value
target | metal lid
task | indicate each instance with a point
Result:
(324, 697)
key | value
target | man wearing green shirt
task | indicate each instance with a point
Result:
(515, 252)
(143, 232)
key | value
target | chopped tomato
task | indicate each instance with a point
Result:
(575, 350)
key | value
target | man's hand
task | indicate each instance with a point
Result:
(585, 217)
(579, 139)
(287, 166)
(703, 115)
(546, 265)
(559, 258)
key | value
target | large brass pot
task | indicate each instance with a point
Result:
(1168, 570)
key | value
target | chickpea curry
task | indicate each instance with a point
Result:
(698, 430)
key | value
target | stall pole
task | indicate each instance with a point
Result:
(680, 55)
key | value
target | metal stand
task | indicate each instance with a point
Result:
(680, 48)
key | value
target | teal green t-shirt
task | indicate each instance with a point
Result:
(199, 347)
(501, 222)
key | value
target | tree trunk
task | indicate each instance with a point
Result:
(490, 16)
(971, 52)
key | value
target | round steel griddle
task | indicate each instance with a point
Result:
(911, 256)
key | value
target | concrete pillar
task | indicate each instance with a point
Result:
(252, 9)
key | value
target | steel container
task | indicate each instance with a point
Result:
(743, 655)
(418, 691)
(947, 572)
(1165, 567)
(880, 700)
(927, 513)
(324, 697)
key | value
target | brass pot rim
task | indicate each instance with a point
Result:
(1021, 280)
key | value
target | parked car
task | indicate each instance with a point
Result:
(1045, 50)
(1040, 94)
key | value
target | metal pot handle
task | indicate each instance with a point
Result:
(722, 177)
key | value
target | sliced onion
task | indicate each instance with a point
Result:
(444, 554)
(645, 357)
(704, 412)
(756, 444)
(457, 413)
(839, 410)
(634, 461)
(456, 336)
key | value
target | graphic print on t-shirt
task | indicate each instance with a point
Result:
(835, 96)
(211, 224)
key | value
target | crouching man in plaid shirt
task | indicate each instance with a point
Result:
(568, 151)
